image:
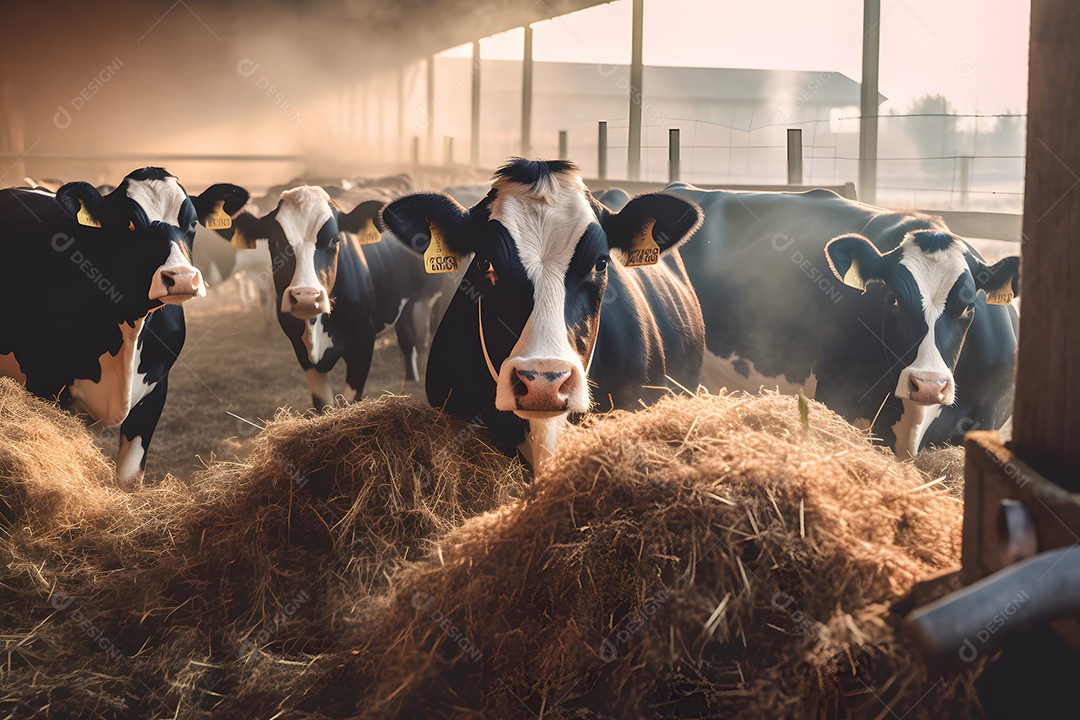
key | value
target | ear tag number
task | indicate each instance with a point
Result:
(85, 218)
(1002, 296)
(218, 219)
(369, 234)
(438, 258)
(644, 251)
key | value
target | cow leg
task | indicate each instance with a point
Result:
(321, 393)
(412, 330)
(135, 434)
(357, 366)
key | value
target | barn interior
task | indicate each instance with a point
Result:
(719, 554)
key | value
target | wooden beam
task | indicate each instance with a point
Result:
(474, 140)
(1046, 423)
(868, 107)
(637, 72)
(527, 93)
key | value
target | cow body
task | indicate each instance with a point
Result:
(547, 320)
(915, 351)
(103, 337)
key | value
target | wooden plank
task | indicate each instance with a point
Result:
(1046, 424)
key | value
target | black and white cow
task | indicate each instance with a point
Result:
(886, 317)
(548, 320)
(103, 334)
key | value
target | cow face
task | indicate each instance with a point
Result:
(543, 251)
(928, 289)
(304, 234)
(148, 222)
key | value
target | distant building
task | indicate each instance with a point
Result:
(734, 119)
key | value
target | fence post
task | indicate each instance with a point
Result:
(448, 150)
(562, 145)
(601, 151)
(673, 155)
(965, 182)
(794, 156)
(416, 150)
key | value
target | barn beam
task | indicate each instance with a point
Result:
(637, 72)
(527, 93)
(868, 112)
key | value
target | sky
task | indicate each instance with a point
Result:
(972, 51)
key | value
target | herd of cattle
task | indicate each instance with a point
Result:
(547, 301)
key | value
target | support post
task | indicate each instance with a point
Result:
(563, 153)
(868, 109)
(448, 150)
(527, 94)
(633, 150)
(794, 156)
(673, 155)
(429, 108)
(1046, 419)
(474, 141)
(601, 151)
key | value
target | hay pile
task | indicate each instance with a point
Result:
(706, 557)
(129, 604)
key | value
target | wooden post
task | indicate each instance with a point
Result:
(400, 111)
(563, 153)
(673, 155)
(416, 151)
(430, 108)
(474, 141)
(601, 151)
(448, 150)
(868, 123)
(637, 72)
(527, 94)
(965, 182)
(794, 156)
(1046, 421)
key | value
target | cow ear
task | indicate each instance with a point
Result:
(246, 229)
(83, 202)
(650, 224)
(854, 260)
(413, 219)
(219, 204)
(1001, 281)
(363, 221)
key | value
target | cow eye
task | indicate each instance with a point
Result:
(484, 265)
(601, 265)
(335, 240)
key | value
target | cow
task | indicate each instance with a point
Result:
(92, 287)
(886, 317)
(550, 319)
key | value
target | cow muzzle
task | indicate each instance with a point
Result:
(540, 388)
(177, 284)
(926, 387)
(305, 303)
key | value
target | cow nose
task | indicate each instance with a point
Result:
(928, 387)
(304, 302)
(177, 284)
(545, 387)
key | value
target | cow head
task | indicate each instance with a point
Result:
(149, 221)
(929, 291)
(304, 234)
(542, 253)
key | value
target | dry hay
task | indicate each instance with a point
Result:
(140, 603)
(945, 465)
(706, 557)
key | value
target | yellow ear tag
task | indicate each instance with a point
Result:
(438, 258)
(644, 251)
(1003, 296)
(241, 241)
(218, 219)
(852, 278)
(85, 218)
(369, 234)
